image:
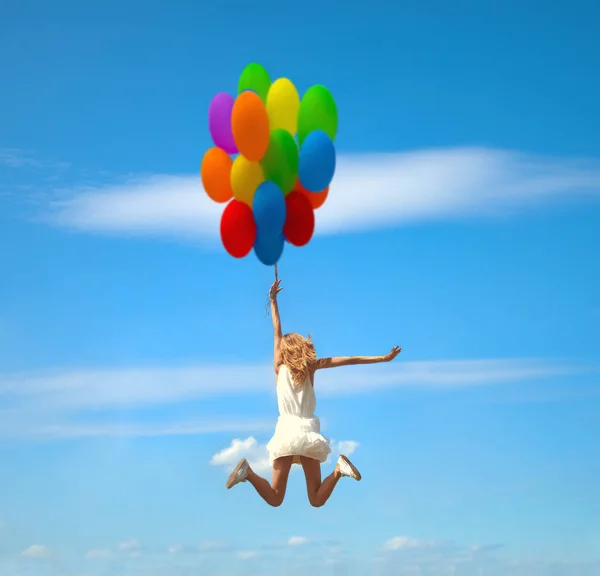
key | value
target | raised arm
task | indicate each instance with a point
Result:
(338, 361)
(277, 334)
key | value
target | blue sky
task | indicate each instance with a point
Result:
(135, 353)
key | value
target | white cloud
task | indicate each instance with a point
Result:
(297, 540)
(131, 548)
(401, 555)
(407, 555)
(247, 554)
(249, 448)
(37, 551)
(127, 549)
(213, 545)
(113, 388)
(204, 547)
(15, 158)
(127, 387)
(441, 374)
(369, 191)
(346, 447)
(13, 425)
(99, 554)
(54, 404)
(171, 206)
(403, 543)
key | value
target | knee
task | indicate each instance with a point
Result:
(277, 501)
(314, 501)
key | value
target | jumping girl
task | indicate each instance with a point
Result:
(297, 438)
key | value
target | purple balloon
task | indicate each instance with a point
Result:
(219, 122)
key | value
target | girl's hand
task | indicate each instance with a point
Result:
(395, 351)
(275, 289)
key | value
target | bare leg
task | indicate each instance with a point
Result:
(274, 493)
(318, 492)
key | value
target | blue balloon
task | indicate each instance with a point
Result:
(316, 165)
(268, 249)
(269, 209)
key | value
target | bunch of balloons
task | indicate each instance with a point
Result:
(272, 162)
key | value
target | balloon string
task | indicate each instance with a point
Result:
(268, 305)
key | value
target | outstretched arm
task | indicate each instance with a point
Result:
(277, 334)
(338, 361)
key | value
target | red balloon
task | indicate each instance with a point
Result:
(317, 199)
(238, 229)
(300, 219)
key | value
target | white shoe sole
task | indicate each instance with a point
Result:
(232, 480)
(355, 471)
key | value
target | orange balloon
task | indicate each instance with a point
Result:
(250, 126)
(317, 199)
(216, 174)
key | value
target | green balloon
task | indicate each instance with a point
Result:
(317, 112)
(254, 77)
(280, 163)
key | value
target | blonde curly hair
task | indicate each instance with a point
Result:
(298, 354)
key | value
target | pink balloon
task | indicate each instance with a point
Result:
(219, 122)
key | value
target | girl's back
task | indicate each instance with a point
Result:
(294, 400)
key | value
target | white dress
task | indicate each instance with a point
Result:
(298, 430)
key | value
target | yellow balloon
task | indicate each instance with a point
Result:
(283, 104)
(246, 177)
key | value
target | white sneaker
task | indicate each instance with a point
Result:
(347, 468)
(239, 474)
